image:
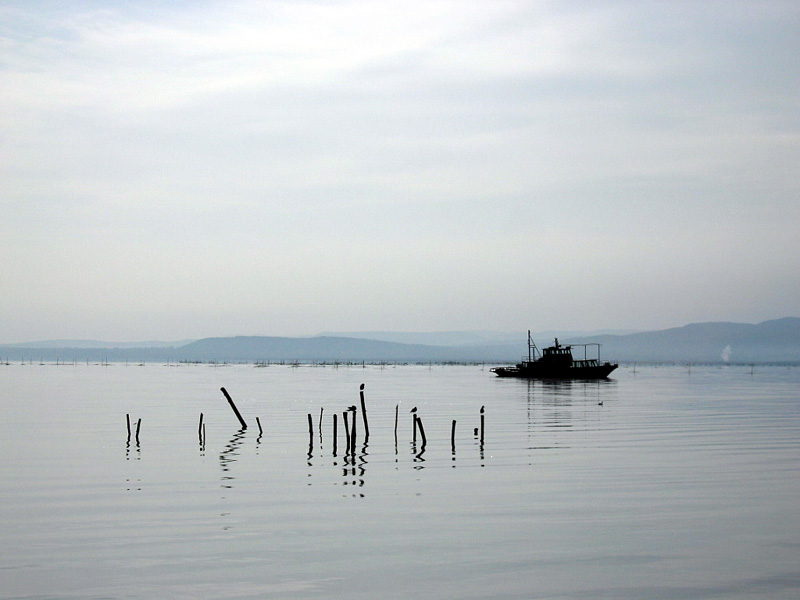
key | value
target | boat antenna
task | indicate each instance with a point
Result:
(529, 346)
(532, 349)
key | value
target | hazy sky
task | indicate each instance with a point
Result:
(175, 170)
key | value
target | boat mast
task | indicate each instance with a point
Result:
(529, 346)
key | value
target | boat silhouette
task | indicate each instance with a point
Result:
(557, 362)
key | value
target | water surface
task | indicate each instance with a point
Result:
(662, 482)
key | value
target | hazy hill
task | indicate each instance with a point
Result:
(776, 341)
(316, 349)
(468, 338)
(771, 341)
(431, 338)
(95, 344)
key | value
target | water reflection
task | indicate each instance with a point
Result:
(560, 406)
(424, 440)
(354, 469)
(351, 464)
(417, 453)
(128, 441)
(479, 442)
(133, 484)
(137, 450)
(228, 456)
(201, 436)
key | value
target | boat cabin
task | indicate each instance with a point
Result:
(557, 354)
(561, 356)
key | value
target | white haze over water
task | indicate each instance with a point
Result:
(172, 171)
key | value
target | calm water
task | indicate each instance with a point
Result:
(664, 482)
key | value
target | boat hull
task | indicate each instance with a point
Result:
(534, 371)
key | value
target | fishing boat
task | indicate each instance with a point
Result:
(557, 362)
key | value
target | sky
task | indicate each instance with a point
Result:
(178, 170)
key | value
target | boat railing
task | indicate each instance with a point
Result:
(591, 362)
(585, 346)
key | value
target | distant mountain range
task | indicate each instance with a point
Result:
(466, 338)
(776, 341)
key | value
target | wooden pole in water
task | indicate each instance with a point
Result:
(258, 422)
(396, 417)
(138, 425)
(128, 419)
(421, 431)
(364, 412)
(310, 429)
(233, 406)
(482, 423)
(353, 431)
(346, 432)
(334, 433)
(200, 429)
(453, 437)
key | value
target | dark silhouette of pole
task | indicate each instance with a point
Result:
(346, 432)
(334, 433)
(396, 417)
(422, 432)
(353, 431)
(233, 406)
(364, 412)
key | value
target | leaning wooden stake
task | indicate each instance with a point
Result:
(138, 425)
(258, 422)
(364, 413)
(233, 406)
(421, 432)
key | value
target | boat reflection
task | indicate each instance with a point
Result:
(559, 406)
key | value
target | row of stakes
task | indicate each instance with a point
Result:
(138, 427)
(349, 425)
